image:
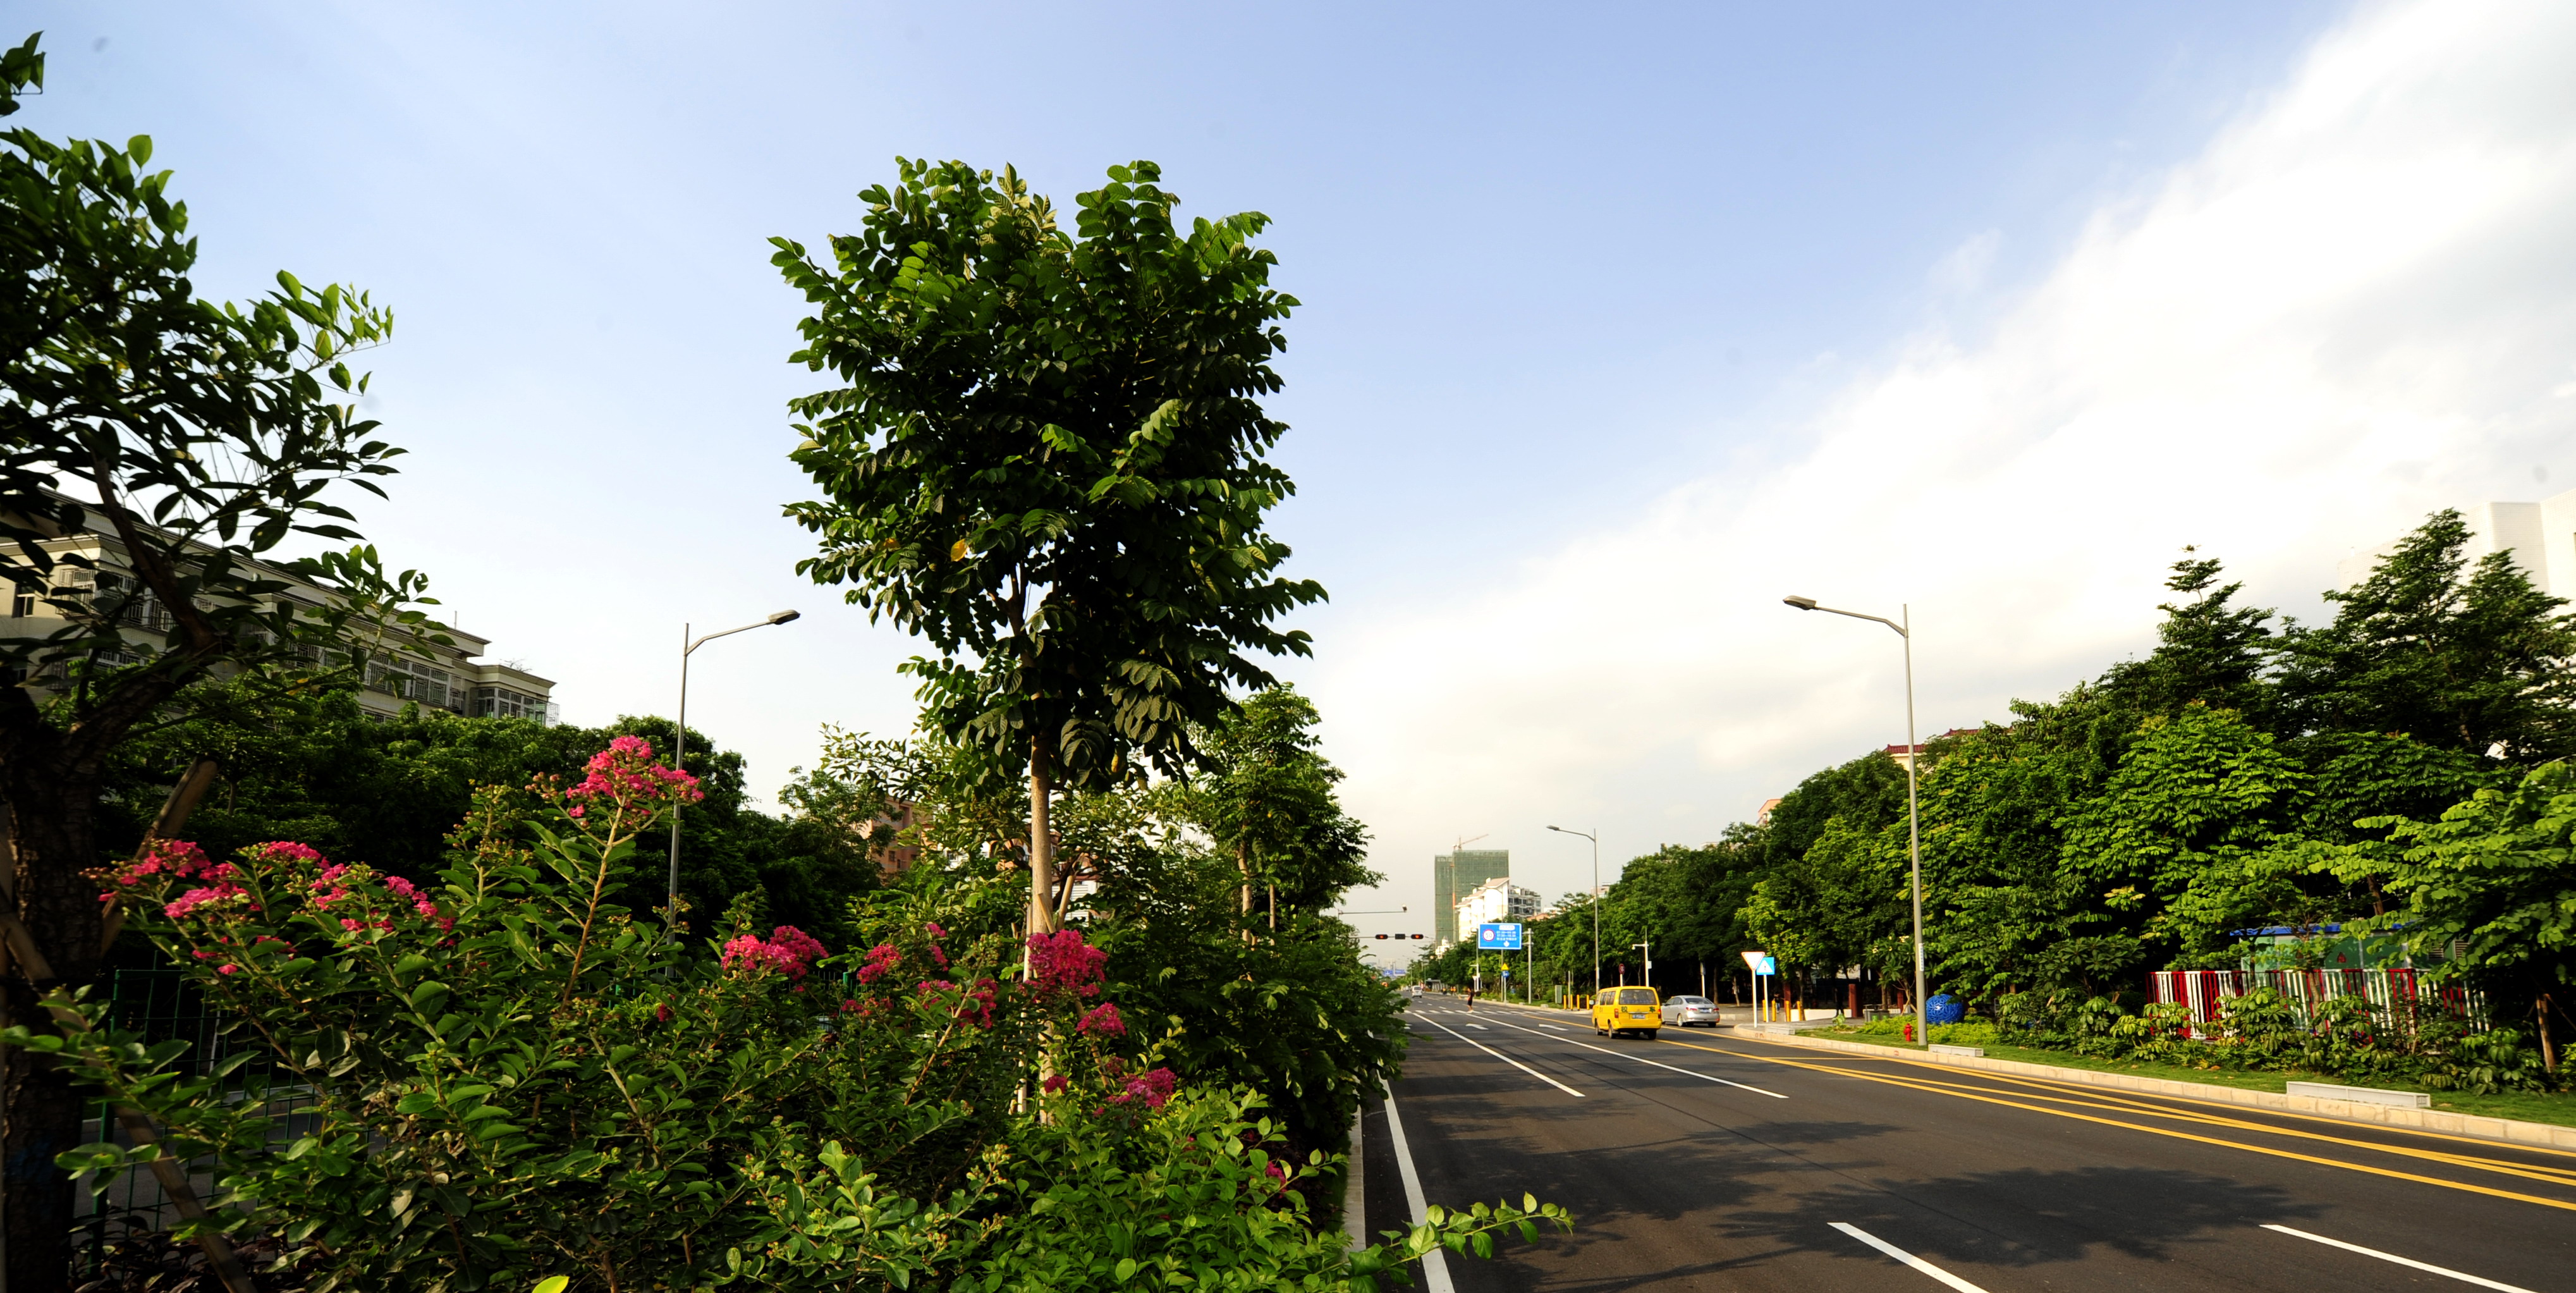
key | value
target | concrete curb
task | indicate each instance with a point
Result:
(2506, 1130)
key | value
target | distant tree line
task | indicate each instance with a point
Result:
(2398, 769)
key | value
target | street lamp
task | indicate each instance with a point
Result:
(680, 743)
(1913, 818)
(1595, 836)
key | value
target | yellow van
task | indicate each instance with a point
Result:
(1620, 1010)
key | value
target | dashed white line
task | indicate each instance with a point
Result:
(2462, 1276)
(1657, 1063)
(1507, 1059)
(1908, 1258)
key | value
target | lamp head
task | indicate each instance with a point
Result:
(1802, 603)
(783, 617)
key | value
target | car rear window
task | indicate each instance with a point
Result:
(1636, 996)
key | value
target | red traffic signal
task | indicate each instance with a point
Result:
(1385, 936)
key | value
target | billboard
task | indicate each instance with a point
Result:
(1498, 938)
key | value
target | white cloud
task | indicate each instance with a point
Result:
(2354, 306)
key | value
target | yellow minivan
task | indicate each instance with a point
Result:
(1620, 1010)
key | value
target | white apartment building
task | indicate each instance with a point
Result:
(1496, 901)
(2541, 536)
(434, 675)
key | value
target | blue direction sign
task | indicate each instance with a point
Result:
(1498, 938)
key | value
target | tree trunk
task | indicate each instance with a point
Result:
(52, 839)
(1041, 844)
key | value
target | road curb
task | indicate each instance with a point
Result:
(2506, 1130)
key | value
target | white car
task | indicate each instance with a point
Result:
(1682, 1012)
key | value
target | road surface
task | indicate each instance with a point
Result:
(1704, 1160)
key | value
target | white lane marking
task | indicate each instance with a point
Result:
(1509, 1060)
(1435, 1264)
(2461, 1276)
(1477, 1027)
(1657, 1063)
(1908, 1258)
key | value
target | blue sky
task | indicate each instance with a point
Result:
(1606, 313)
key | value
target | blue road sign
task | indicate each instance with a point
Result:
(1498, 938)
(1769, 965)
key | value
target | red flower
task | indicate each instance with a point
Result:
(1102, 1021)
(1062, 962)
(1151, 1088)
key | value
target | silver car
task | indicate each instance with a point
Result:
(1682, 1012)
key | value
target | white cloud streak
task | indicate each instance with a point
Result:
(2353, 307)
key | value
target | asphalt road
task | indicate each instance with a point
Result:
(1710, 1161)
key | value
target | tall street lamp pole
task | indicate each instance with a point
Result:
(680, 742)
(1595, 836)
(1913, 817)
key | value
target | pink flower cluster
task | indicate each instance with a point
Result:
(1150, 1088)
(1061, 962)
(788, 950)
(420, 902)
(625, 776)
(882, 960)
(165, 857)
(1102, 1021)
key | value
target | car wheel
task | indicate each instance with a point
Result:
(1650, 1034)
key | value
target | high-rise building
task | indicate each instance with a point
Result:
(1454, 876)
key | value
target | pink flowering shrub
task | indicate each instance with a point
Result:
(1061, 963)
(788, 950)
(500, 1075)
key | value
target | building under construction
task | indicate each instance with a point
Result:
(1454, 876)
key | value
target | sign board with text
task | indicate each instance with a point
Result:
(1498, 938)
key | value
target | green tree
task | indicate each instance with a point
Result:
(2463, 656)
(1047, 459)
(1266, 797)
(2495, 879)
(195, 437)
(315, 767)
(2209, 651)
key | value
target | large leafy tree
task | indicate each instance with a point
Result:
(1266, 797)
(194, 437)
(1046, 457)
(2493, 880)
(2464, 655)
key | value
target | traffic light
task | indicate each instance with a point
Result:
(1385, 936)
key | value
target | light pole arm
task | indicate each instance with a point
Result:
(1809, 604)
(680, 737)
(781, 617)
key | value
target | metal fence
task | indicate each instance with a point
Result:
(2397, 995)
(159, 1004)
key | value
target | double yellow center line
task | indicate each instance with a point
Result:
(2085, 1098)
